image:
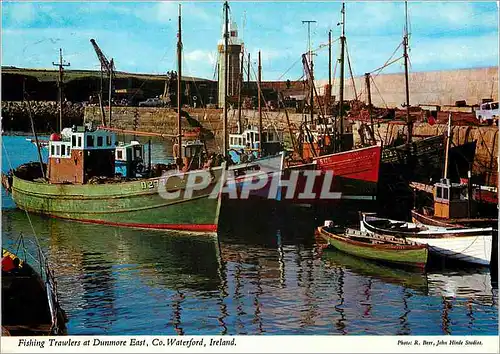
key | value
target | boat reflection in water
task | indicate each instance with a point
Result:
(465, 291)
(451, 296)
(268, 277)
(118, 280)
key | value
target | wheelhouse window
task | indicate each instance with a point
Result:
(456, 194)
(108, 140)
(73, 140)
(79, 141)
(90, 140)
(52, 150)
(439, 192)
(63, 150)
(445, 193)
(99, 141)
(119, 154)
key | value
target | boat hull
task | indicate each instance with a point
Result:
(242, 176)
(146, 203)
(347, 178)
(471, 249)
(459, 222)
(408, 255)
(30, 305)
(459, 243)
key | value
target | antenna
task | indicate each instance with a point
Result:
(309, 53)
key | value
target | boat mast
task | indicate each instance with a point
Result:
(447, 151)
(240, 87)
(179, 79)
(33, 130)
(309, 57)
(259, 90)
(409, 123)
(248, 71)
(61, 66)
(370, 107)
(111, 69)
(226, 39)
(329, 68)
(341, 94)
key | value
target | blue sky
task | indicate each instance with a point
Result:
(141, 36)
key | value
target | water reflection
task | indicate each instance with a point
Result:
(373, 270)
(462, 291)
(176, 312)
(269, 278)
(458, 296)
(474, 284)
(405, 324)
(223, 294)
(104, 272)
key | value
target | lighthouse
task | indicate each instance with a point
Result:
(234, 49)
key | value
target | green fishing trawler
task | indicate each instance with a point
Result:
(79, 183)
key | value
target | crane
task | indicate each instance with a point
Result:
(108, 67)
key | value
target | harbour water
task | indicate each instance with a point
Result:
(265, 275)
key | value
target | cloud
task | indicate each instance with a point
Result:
(20, 13)
(199, 63)
(161, 12)
(199, 55)
(167, 12)
(141, 36)
(455, 52)
(450, 13)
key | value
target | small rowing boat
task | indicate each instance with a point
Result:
(382, 248)
(471, 245)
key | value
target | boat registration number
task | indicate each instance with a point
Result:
(152, 184)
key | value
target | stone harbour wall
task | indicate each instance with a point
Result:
(431, 87)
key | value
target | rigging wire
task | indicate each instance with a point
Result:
(350, 71)
(216, 66)
(378, 91)
(388, 60)
(266, 104)
(386, 65)
(334, 72)
(290, 68)
(205, 114)
(42, 257)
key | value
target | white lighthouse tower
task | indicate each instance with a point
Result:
(234, 49)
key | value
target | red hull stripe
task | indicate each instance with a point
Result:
(177, 227)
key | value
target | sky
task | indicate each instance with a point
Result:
(141, 36)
